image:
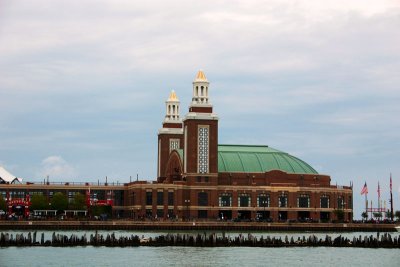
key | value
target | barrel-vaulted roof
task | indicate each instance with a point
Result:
(253, 159)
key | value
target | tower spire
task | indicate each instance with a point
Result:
(172, 106)
(200, 90)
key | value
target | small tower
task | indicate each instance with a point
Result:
(200, 90)
(200, 128)
(172, 112)
(170, 136)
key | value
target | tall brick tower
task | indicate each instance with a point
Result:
(170, 136)
(200, 127)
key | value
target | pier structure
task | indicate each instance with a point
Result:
(200, 179)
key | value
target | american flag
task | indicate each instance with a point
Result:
(364, 189)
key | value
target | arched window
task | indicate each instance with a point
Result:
(263, 200)
(225, 200)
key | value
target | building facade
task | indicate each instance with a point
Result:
(197, 178)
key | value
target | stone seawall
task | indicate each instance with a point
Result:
(204, 225)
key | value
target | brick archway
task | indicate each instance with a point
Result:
(174, 168)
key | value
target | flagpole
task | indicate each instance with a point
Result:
(371, 209)
(391, 198)
(379, 200)
(366, 205)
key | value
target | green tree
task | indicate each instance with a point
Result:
(79, 202)
(39, 202)
(59, 201)
(397, 214)
(339, 215)
(364, 215)
(100, 210)
(377, 215)
(2, 203)
(388, 214)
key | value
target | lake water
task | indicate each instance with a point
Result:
(197, 256)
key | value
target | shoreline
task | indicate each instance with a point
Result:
(195, 225)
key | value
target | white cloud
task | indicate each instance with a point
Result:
(57, 169)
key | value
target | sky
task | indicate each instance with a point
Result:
(83, 84)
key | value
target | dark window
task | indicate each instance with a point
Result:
(350, 204)
(160, 198)
(119, 197)
(206, 179)
(199, 179)
(149, 198)
(202, 214)
(325, 202)
(225, 200)
(283, 201)
(303, 201)
(170, 198)
(203, 199)
(149, 213)
(340, 203)
(244, 201)
(170, 214)
(263, 200)
(160, 213)
(133, 198)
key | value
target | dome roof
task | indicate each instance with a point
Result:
(253, 159)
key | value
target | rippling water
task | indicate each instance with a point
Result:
(197, 256)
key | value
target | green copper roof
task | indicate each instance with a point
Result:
(243, 158)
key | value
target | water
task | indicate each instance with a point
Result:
(197, 256)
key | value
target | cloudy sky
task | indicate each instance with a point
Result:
(83, 84)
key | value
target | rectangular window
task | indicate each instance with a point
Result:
(303, 201)
(133, 198)
(149, 213)
(324, 202)
(149, 198)
(244, 200)
(160, 213)
(170, 198)
(198, 179)
(202, 214)
(203, 138)
(160, 198)
(170, 214)
(340, 203)
(350, 203)
(203, 199)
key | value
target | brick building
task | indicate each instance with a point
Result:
(198, 178)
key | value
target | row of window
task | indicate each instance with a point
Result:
(244, 200)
